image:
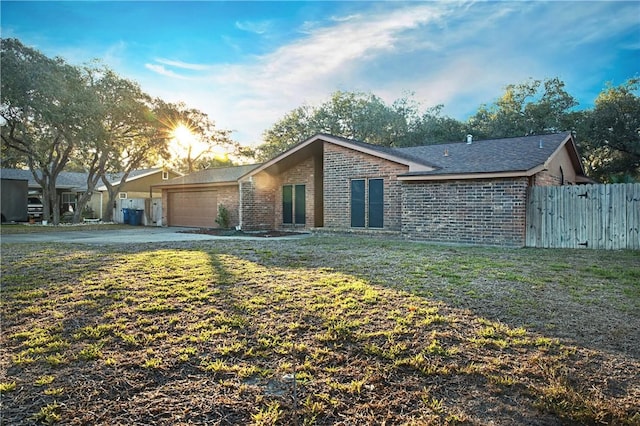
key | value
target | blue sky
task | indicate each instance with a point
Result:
(246, 64)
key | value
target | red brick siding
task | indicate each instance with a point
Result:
(229, 196)
(257, 200)
(340, 166)
(476, 212)
(547, 179)
(300, 174)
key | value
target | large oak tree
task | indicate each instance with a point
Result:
(48, 113)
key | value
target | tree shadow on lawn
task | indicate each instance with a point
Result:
(570, 377)
(217, 332)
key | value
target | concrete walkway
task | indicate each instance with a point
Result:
(134, 235)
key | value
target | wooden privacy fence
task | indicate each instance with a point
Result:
(584, 216)
(152, 210)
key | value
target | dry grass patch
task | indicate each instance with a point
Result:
(325, 330)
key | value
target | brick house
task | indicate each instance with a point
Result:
(193, 199)
(471, 192)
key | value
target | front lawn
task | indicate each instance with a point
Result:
(324, 330)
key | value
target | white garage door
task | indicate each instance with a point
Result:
(193, 208)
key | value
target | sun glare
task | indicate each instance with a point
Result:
(182, 134)
(186, 144)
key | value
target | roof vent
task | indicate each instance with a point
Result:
(469, 139)
(540, 144)
(446, 152)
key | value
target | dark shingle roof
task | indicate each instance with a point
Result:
(214, 175)
(65, 180)
(487, 156)
(395, 152)
(16, 174)
(76, 181)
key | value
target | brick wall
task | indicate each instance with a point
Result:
(340, 166)
(548, 178)
(302, 173)
(475, 212)
(257, 195)
(229, 196)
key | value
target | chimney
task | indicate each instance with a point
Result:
(469, 139)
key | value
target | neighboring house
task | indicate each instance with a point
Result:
(473, 192)
(70, 185)
(14, 192)
(138, 185)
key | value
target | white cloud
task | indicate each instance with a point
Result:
(256, 27)
(183, 65)
(160, 69)
(456, 54)
(309, 69)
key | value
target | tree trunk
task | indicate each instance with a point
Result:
(92, 180)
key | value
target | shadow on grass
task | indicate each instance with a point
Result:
(281, 333)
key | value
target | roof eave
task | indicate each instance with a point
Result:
(194, 185)
(468, 176)
(413, 166)
(132, 178)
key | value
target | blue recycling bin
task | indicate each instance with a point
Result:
(126, 215)
(135, 217)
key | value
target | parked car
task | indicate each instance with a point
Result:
(35, 208)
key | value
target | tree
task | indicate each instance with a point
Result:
(48, 112)
(194, 137)
(141, 141)
(362, 117)
(293, 128)
(130, 136)
(533, 107)
(612, 139)
(433, 128)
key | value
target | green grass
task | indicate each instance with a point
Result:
(317, 331)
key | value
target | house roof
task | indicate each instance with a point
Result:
(76, 181)
(519, 155)
(116, 178)
(216, 175)
(65, 180)
(391, 154)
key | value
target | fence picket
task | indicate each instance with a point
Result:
(585, 216)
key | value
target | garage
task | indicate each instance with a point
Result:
(196, 208)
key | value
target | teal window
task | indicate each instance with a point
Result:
(357, 203)
(376, 203)
(367, 203)
(294, 204)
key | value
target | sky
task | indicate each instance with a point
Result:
(247, 64)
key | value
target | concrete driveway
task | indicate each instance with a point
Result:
(133, 235)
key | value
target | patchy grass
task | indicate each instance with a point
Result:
(318, 331)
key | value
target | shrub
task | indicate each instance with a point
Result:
(223, 218)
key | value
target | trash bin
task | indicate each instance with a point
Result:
(126, 215)
(135, 217)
